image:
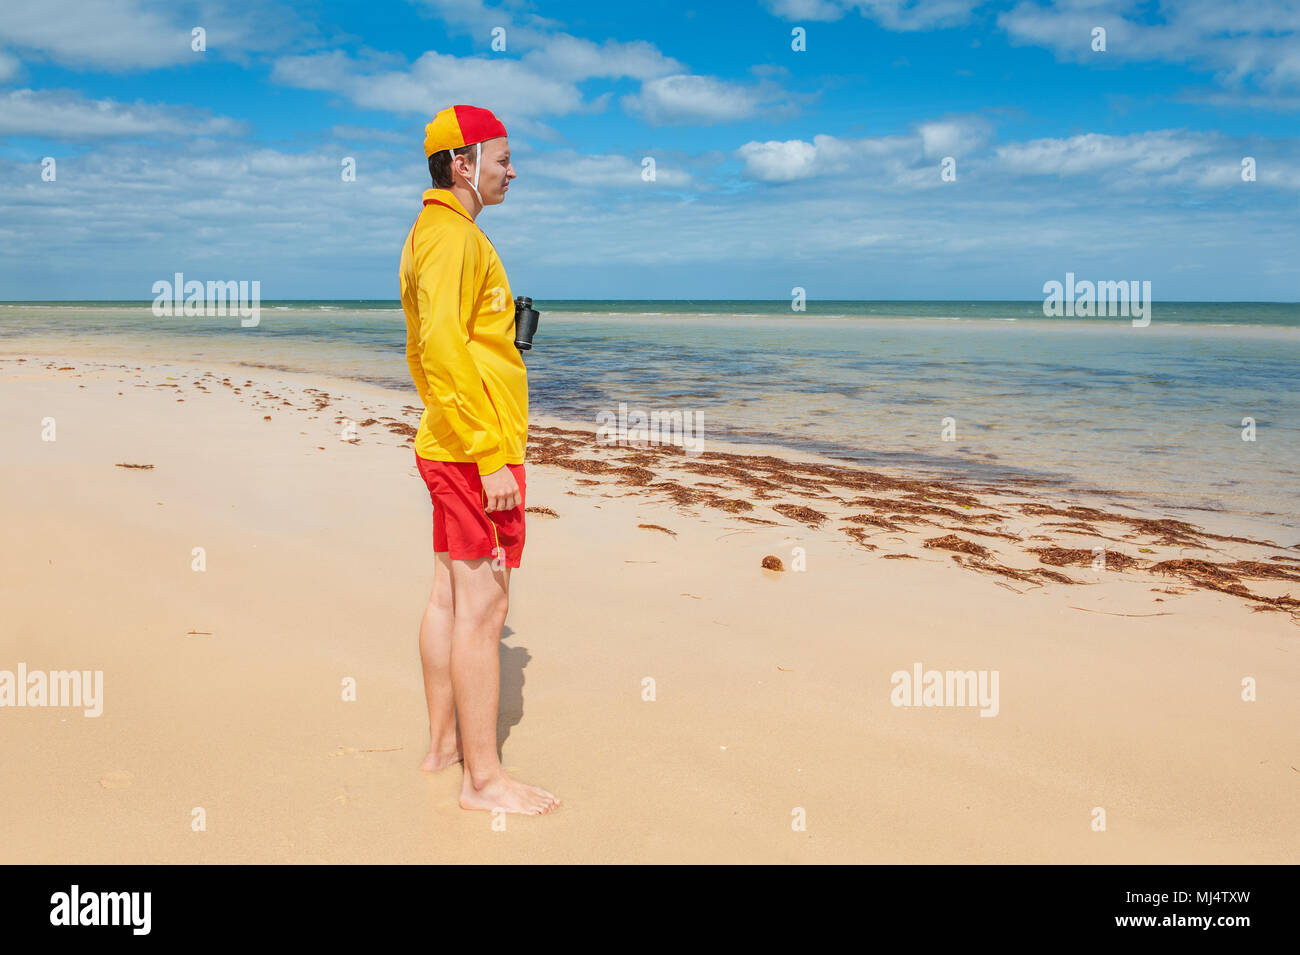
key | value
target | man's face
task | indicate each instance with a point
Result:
(494, 178)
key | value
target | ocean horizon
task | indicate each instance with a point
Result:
(1285, 314)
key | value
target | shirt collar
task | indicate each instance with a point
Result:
(446, 197)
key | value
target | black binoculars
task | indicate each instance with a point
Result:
(525, 323)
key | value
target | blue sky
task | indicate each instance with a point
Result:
(775, 167)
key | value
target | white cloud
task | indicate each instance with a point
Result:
(902, 159)
(684, 99)
(1246, 41)
(608, 171)
(774, 161)
(890, 14)
(1093, 153)
(70, 117)
(1254, 41)
(432, 82)
(957, 136)
(125, 35)
(523, 29)
(1170, 159)
(578, 59)
(97, 33)
(9, 67)
(1148, 162)
(806, 9)
(1270, 103)
(544, 82)
(346, 133)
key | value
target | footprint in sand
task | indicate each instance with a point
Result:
(117, 779)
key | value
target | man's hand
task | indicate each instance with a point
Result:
(501, 489)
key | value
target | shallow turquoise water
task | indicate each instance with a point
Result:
(1155, 411)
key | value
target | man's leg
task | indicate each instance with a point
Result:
(435, 655)
(482, 599)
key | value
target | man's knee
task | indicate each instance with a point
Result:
(488, 612)
(479, 594)
(441, 598)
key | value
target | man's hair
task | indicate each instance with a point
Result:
(440, 166)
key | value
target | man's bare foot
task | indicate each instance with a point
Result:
(436, 760)
(507, 794)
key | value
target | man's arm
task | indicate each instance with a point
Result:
(411, 309)
(449, 285)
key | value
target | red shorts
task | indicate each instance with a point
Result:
(461, 527)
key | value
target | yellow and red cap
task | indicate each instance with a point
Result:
(458, 126)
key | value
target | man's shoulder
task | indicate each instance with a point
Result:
(445, 233)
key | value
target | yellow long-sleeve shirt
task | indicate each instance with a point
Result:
(460, 340)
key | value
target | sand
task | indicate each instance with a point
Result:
(223, 689)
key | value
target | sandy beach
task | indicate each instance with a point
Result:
(773, 701)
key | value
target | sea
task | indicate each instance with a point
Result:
(1196, 411)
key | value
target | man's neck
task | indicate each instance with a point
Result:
(467, 199)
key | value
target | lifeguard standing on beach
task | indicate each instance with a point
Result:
(460, 347)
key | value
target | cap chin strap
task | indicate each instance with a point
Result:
(478, 166)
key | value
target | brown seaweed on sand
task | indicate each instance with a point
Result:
(919, 507)
(859, 535)
(1223, 578)
(1081, 557)
(804, 515)
(680, 493)
(873, 520)
(581, 465)
(1202, 572)
(899, 505)
(987, 533)
(1165, 531)
(1075, 526)
(1258, 570)
(731, 505)
(656, 527)
(1037, 575)
(953, 542)
(635, 475)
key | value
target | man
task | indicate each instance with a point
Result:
(469, 448)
